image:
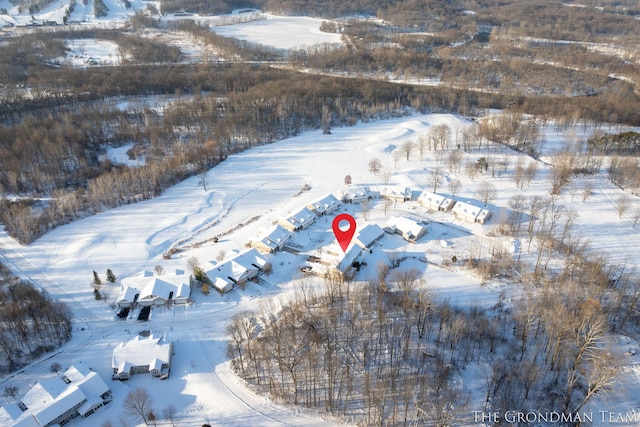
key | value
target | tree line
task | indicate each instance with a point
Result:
(385, 352)
(31, 323)
(58, 156)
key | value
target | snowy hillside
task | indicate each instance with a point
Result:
(245, 195)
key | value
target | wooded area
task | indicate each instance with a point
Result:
(31, 323)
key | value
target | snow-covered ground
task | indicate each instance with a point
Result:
(85, 52)
(281, 32)
(254, 189)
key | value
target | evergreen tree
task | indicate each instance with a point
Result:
(96, 280)
(110, 276)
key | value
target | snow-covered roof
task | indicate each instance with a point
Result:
(228, 269)
(251, 258)
(275, 238)
(127, 293)
(471, 212)
(358, 193)
(223, 285)
(140, 351)
(87, 380)
(149, 285)
(9, 413)
(301, 219)
(327, 204)
(369, 235)
(28, 420)
(157, 287)
(397, 193)
(70, 398)
(407, 226)
(434, 200)
(55, 396)
(348, 258)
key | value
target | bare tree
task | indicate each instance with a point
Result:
(365, 208)
(530, 172)
(138, 403)
(396, 155)
(455, 160)
(169, 413)
(454, 186)
(562, 167)
(519, 173)
(386, 176)
(586, 190)
(622, 204)
(202, 179)
(471, 170)
(422, 146)
(486, 192)
(436, 177)
(387, 205)
(407, 148)
(439, 136)
(375, 166)
(636, 218)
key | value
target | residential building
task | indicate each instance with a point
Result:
(149, 289)
(411, 230)
(368, 236)
(397, 195)
(356, 195)
(298, 220)
(55, 401)
(471, 213)
(435, 202)
(325, 206)
(142, 355)
(274, 240)
(236, 270)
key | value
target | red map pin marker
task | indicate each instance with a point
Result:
(344, 237)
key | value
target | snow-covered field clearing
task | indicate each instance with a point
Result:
(253, 189)
(86, 52)
(281, 32)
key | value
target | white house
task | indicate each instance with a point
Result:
(471, 213)
(397, 195)
(409, 229)
(235, 270)
(356, 195)
(344, 267)
(148, 289)
(435, 202)
(325, 206)
(225, 274)
(252, 261)
(274, 240)
(57, 400)
(368, 236)
(142, 355)
(298, 220)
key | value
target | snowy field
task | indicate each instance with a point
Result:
(246, 194)
(281, 32)
(85, 52)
